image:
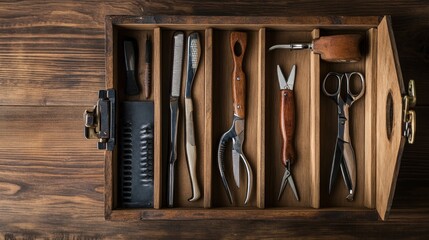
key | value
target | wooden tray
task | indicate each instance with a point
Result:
(377, 154)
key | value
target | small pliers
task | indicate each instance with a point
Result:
(287, 127)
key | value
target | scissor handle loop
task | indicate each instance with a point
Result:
(339, 77)
(358, 95)
(337, 92)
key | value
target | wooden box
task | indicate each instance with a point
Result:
(377, 128)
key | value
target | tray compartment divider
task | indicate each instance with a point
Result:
(260, 185)
(315, 124)
(370, 107)
(157, 95)
(208, 121)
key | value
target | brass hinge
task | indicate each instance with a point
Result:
(100, 121)
(409, 121)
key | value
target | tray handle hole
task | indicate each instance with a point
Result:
(389, 115)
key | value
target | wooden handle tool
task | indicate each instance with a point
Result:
(193, 59)
(287, 126)
(287, 115)
(335, 48)
(238, 43)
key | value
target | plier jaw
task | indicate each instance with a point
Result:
(236, 134)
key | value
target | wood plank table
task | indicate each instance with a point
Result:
(51, 67)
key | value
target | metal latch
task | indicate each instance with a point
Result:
(100, 121)
(409, 120)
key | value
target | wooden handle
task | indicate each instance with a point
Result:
(287, 126)
(191, 149)
(338, 48)
(147, 80)
(238, 43)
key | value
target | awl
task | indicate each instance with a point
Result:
(335, 48)
(174, 109)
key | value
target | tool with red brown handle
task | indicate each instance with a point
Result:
(287, 127)
(335, 48)
(238, 42)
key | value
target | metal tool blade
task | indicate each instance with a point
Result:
(193, 59)
(292, 186)
(283, 183)
(291, 78)
(287, 178)
(221, 161)
(338, 158)
(282, 80)
(349, 169)
(236, 167)
(174, 109)
(177, 64)
(292, 46)
(238, 125)
(249, 177)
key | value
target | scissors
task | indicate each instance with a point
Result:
(344, 156)
(287, 128)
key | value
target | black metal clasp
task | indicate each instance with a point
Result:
(100, 121)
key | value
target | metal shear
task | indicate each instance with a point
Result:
(238, 42)
(344, 156)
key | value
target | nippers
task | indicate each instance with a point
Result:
(238, 42)
(287, 128)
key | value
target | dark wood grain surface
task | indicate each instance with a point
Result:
(51, 67)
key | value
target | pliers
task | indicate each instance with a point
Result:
(238, 42)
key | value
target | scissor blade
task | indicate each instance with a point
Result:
(291, 78)
(338, 158)
(292, 185)
(236, 167)
(349, 169)
(282, 79)
(284, 183)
